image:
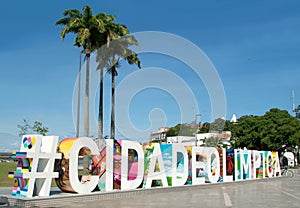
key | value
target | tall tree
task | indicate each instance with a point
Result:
(118, 47)
(268, 132)
(108, 21)
(89, 35)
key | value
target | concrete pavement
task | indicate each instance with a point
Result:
(279, 192)
(275, 192)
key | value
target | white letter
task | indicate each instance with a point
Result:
(109, 174)
(213, 164)
(262, 154)
(238, 173)
(246, 163)
(269, 164)
(277, 165)
(226, 178)
(131, 184)
(197, 165)
(73, 166)
(179, 148)
(152, 175)
(256, 162)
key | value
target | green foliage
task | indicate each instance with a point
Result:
(268, 132)
(118, 47)
(204, 128)
(213, 142)
(113, 42)
(182, 130)
(218, 126)
(91, 33)
(39, 128)
(89, 28)
(26, 128)
(173, 131)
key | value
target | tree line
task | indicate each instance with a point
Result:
(271, 131)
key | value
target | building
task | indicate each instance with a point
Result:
(186, 140)
(199, 140)
(233, 119)
(160, 135)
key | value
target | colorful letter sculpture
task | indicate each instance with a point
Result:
(35, 166)
(81, 167)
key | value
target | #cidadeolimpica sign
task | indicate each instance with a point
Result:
(79, 166)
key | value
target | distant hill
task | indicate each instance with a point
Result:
(9, 142)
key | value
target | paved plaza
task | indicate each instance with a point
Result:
(283, 192)
(276, 192)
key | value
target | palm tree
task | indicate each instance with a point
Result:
(108, 21)
(117, 48)
(78, 98)
(89, 30)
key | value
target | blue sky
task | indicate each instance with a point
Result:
(253, 45)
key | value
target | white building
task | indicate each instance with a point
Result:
(199, 139)
(160, 135)
(233, 119)
(187, 140)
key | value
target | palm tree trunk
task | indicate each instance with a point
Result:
(78, 99)
(112, 119)
(86, 97)
(100, 116)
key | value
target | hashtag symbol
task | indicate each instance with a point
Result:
(42, 168)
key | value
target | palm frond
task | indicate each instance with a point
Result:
(72, 13)
(83, 36)
(106, 18)
(76, 24)
(64, 31)
(87, 13)
(63, 21)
